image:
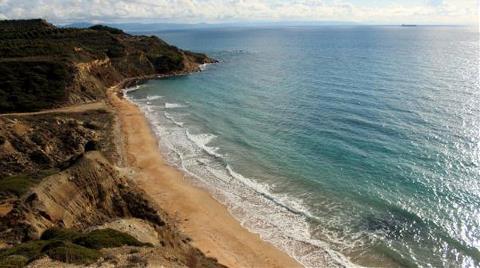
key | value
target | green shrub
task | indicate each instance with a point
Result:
(30, 250)
(16, 185)
(97, 239)
(66, 245)
(29, 85)
(106, 28)
(64, 251)
(60, 234)
(21, 183)
(13, 261)
(71, 253)
(107, 238)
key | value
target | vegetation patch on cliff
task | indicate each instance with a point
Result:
(67, 245)
(19, 184)
(96, 239)
(71, 253)
(32, 85)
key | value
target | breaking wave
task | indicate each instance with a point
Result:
(278, 218)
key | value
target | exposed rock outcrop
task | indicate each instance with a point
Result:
(90, 192)
(39, 142)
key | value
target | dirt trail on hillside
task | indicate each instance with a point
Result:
(80, 108)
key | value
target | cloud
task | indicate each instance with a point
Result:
(432, 11)
(435, 2)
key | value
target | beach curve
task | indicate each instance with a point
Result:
(213, 230)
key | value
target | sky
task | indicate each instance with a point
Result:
(227, 11)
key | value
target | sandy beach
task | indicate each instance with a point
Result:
(211, 227)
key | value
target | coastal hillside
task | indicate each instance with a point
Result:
(43, 66)
(66, 195)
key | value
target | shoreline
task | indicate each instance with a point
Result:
(208, 222)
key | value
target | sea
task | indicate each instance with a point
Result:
(341, 145)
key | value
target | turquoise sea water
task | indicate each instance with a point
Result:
(340, 145)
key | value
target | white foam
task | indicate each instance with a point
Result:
(295, 210)
(173, 105)
(150, 98)
(203, 67)
(280, 219)
(202, 140)
(261, 188)
(130, 89)
(170, 117)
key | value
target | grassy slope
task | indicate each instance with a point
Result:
(67, 246)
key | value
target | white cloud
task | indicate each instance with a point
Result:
(431, 11)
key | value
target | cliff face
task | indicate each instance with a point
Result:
(92, 192)
(58, 169)
(41, 142)
(42, 66)
(89, 192)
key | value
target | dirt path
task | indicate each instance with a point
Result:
(69, 109)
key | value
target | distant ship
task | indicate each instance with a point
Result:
(409, 25)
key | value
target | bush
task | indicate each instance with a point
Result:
(71, 253)
(107, 29)
(16, 185)
(107, 238)
(28, 86)
(56, 249)
(60, 234)
(97, 239)
(66, 245)
(20, 184)
(13, 261)
(164, 63)
(30, 250)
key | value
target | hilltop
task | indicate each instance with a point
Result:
(43, 66)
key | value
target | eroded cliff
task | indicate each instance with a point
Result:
(59, 170)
